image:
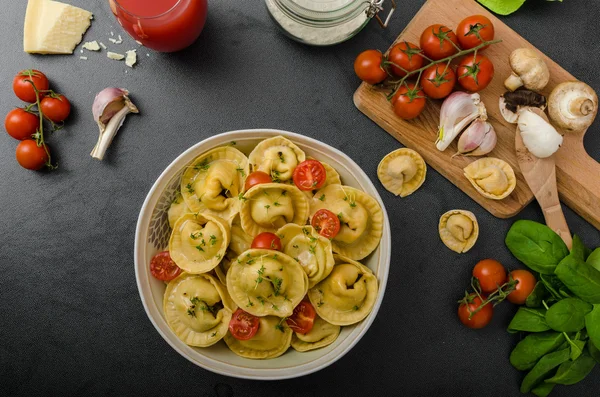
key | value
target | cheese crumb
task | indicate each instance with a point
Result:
(147, 54)
(102, 45)
(131, 58)
(114, 41)
(84, 58)
(115, 56)
(91, 46)
(112, 34)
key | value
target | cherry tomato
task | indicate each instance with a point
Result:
(163, 267)
(408, 101)
(438, 81)
(491, 275)
(479, 319)
(21, 124)
(436, 42)
(470, 28)
(268, 241)
(367, 67)
(56, 108)
(407, 56)
(303, 318)
(326, 223)
(30, 155)
(309, 175)
(255, 178)
(475, 74)
(243, 325)
(524, 287)
(24, 90)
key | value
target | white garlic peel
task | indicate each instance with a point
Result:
(458, 111)
(539, 136)
(478, 139)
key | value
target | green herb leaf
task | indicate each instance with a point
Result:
(533, 347)
(322, 198)
(578, 249)
(593, 351)
(571, 372)
(543, 389)
(577, 349)
(582, 279)
(502, 7)
(592, 325)
(568, 315)
(542, 368)
(537, 295)
(553, 285)
(594, 259)
(529, 320)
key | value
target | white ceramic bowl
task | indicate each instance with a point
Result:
(152, 235)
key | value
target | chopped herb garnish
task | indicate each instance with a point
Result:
(203, 166)
(261, 300)
(249, 303)
(199, 248)
(241, 197)
(295, 245)
(250, 261)
(355, 308)
(353, 204)
(340, 217)
(213, 334)
(312, 249)
(276, 284)
(189, 188)
(241, 171)
(320, 303)
(346, 198)
(284, 193)
(267, 207)
(322, 198)
(276, 204)
(213, 240)
(274, 256)
(218, 256)
(232, 143)
(275, 307)
(281, 158)
(196, 235)
(191, 312)
(260, 273)
(279, 325)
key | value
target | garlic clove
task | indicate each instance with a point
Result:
(487, 145)
(457, 112)
(479, 139)
(539, 136)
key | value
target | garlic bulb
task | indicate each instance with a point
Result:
(458, 110)
(539, 137)
(478, 139)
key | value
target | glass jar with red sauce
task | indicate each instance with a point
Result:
(163, 25)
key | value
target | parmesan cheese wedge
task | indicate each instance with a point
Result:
(54, 28)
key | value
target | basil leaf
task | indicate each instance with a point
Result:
(568, 315)
(502, 7)
(543, 389)
(577, 349)
(594, 259)
(537, 295)
(553, 285)
(594, 351)
(592, 325)
(582, 279)
(534, 346)
(542, 368)
(529, 320)
(536, 245)
(571, 372)
(578, 249)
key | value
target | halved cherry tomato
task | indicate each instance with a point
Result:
(474, 74)
(491, 275)
(30, 155)
(471, 29)
(408, 101)
(367, 67)
(267, 240)
(23, 88)
(303, 318)
(479, 319)
(21, 124)
(243, 325)
(526, 284)
(437, 42)
(163, 267)
(407, 56)
(309, 175)
(438, 81)
(56, 108)
(326, 223)
(255, 178)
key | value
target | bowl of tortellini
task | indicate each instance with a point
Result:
(235, 306)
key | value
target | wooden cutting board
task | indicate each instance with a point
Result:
(578, 174)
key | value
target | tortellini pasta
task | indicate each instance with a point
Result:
(278, 157)
(213, 182)
(177, 209)
(198, 242)
(347, 295)
(459, 230)
(272, 339)
(198, 309)
(402, 172)
(491, 177)
(308, 248)
(269, 206)
(240, 242)
(360, 216)
(322, 334)
(266, 282)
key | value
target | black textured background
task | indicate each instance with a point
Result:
(71, 321)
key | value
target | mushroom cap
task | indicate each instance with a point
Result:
(530, 67)
(573, 105)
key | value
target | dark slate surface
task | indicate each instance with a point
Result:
(72, 322)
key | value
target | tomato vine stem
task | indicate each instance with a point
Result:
(39, 136)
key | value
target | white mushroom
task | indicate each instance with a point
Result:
(528, 70)
(573, 105)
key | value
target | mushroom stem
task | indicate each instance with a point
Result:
(513, 82)
(581, 106)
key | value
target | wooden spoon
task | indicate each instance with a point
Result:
(540, 175)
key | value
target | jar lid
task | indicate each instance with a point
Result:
(322, 12)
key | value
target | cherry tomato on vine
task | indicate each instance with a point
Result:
(407, 56)
(309, 175)
(471, 27)
(438, 81)
(163, 267)
(326, 223)
(408, 101)
(30, 155)
(368, 67)
(55, 107)
(23, 88)
(256, 178)
(243, 325)
(437, 42)
(523, 288)
(303, 318)
(474, 74)
(267, 240)
(21, 124)
(491, 275)
(479, 319)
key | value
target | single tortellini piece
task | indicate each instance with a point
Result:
(240, 242)
(269, 206)
(271, 340)
(332, 177)
(491, 177)
(177, 209)
(402, 172)
(360, 216)
(198, 309)
(459, 230)
(308, 248)
(322, 334)
(266, 282)
(347, 295)
(198, 242)
(278, 157)
(214, 180)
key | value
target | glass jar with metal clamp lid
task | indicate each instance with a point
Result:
(326, 22)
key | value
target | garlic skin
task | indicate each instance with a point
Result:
(573, 105)
(539, 136)
(478, 139)
(458, 110)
